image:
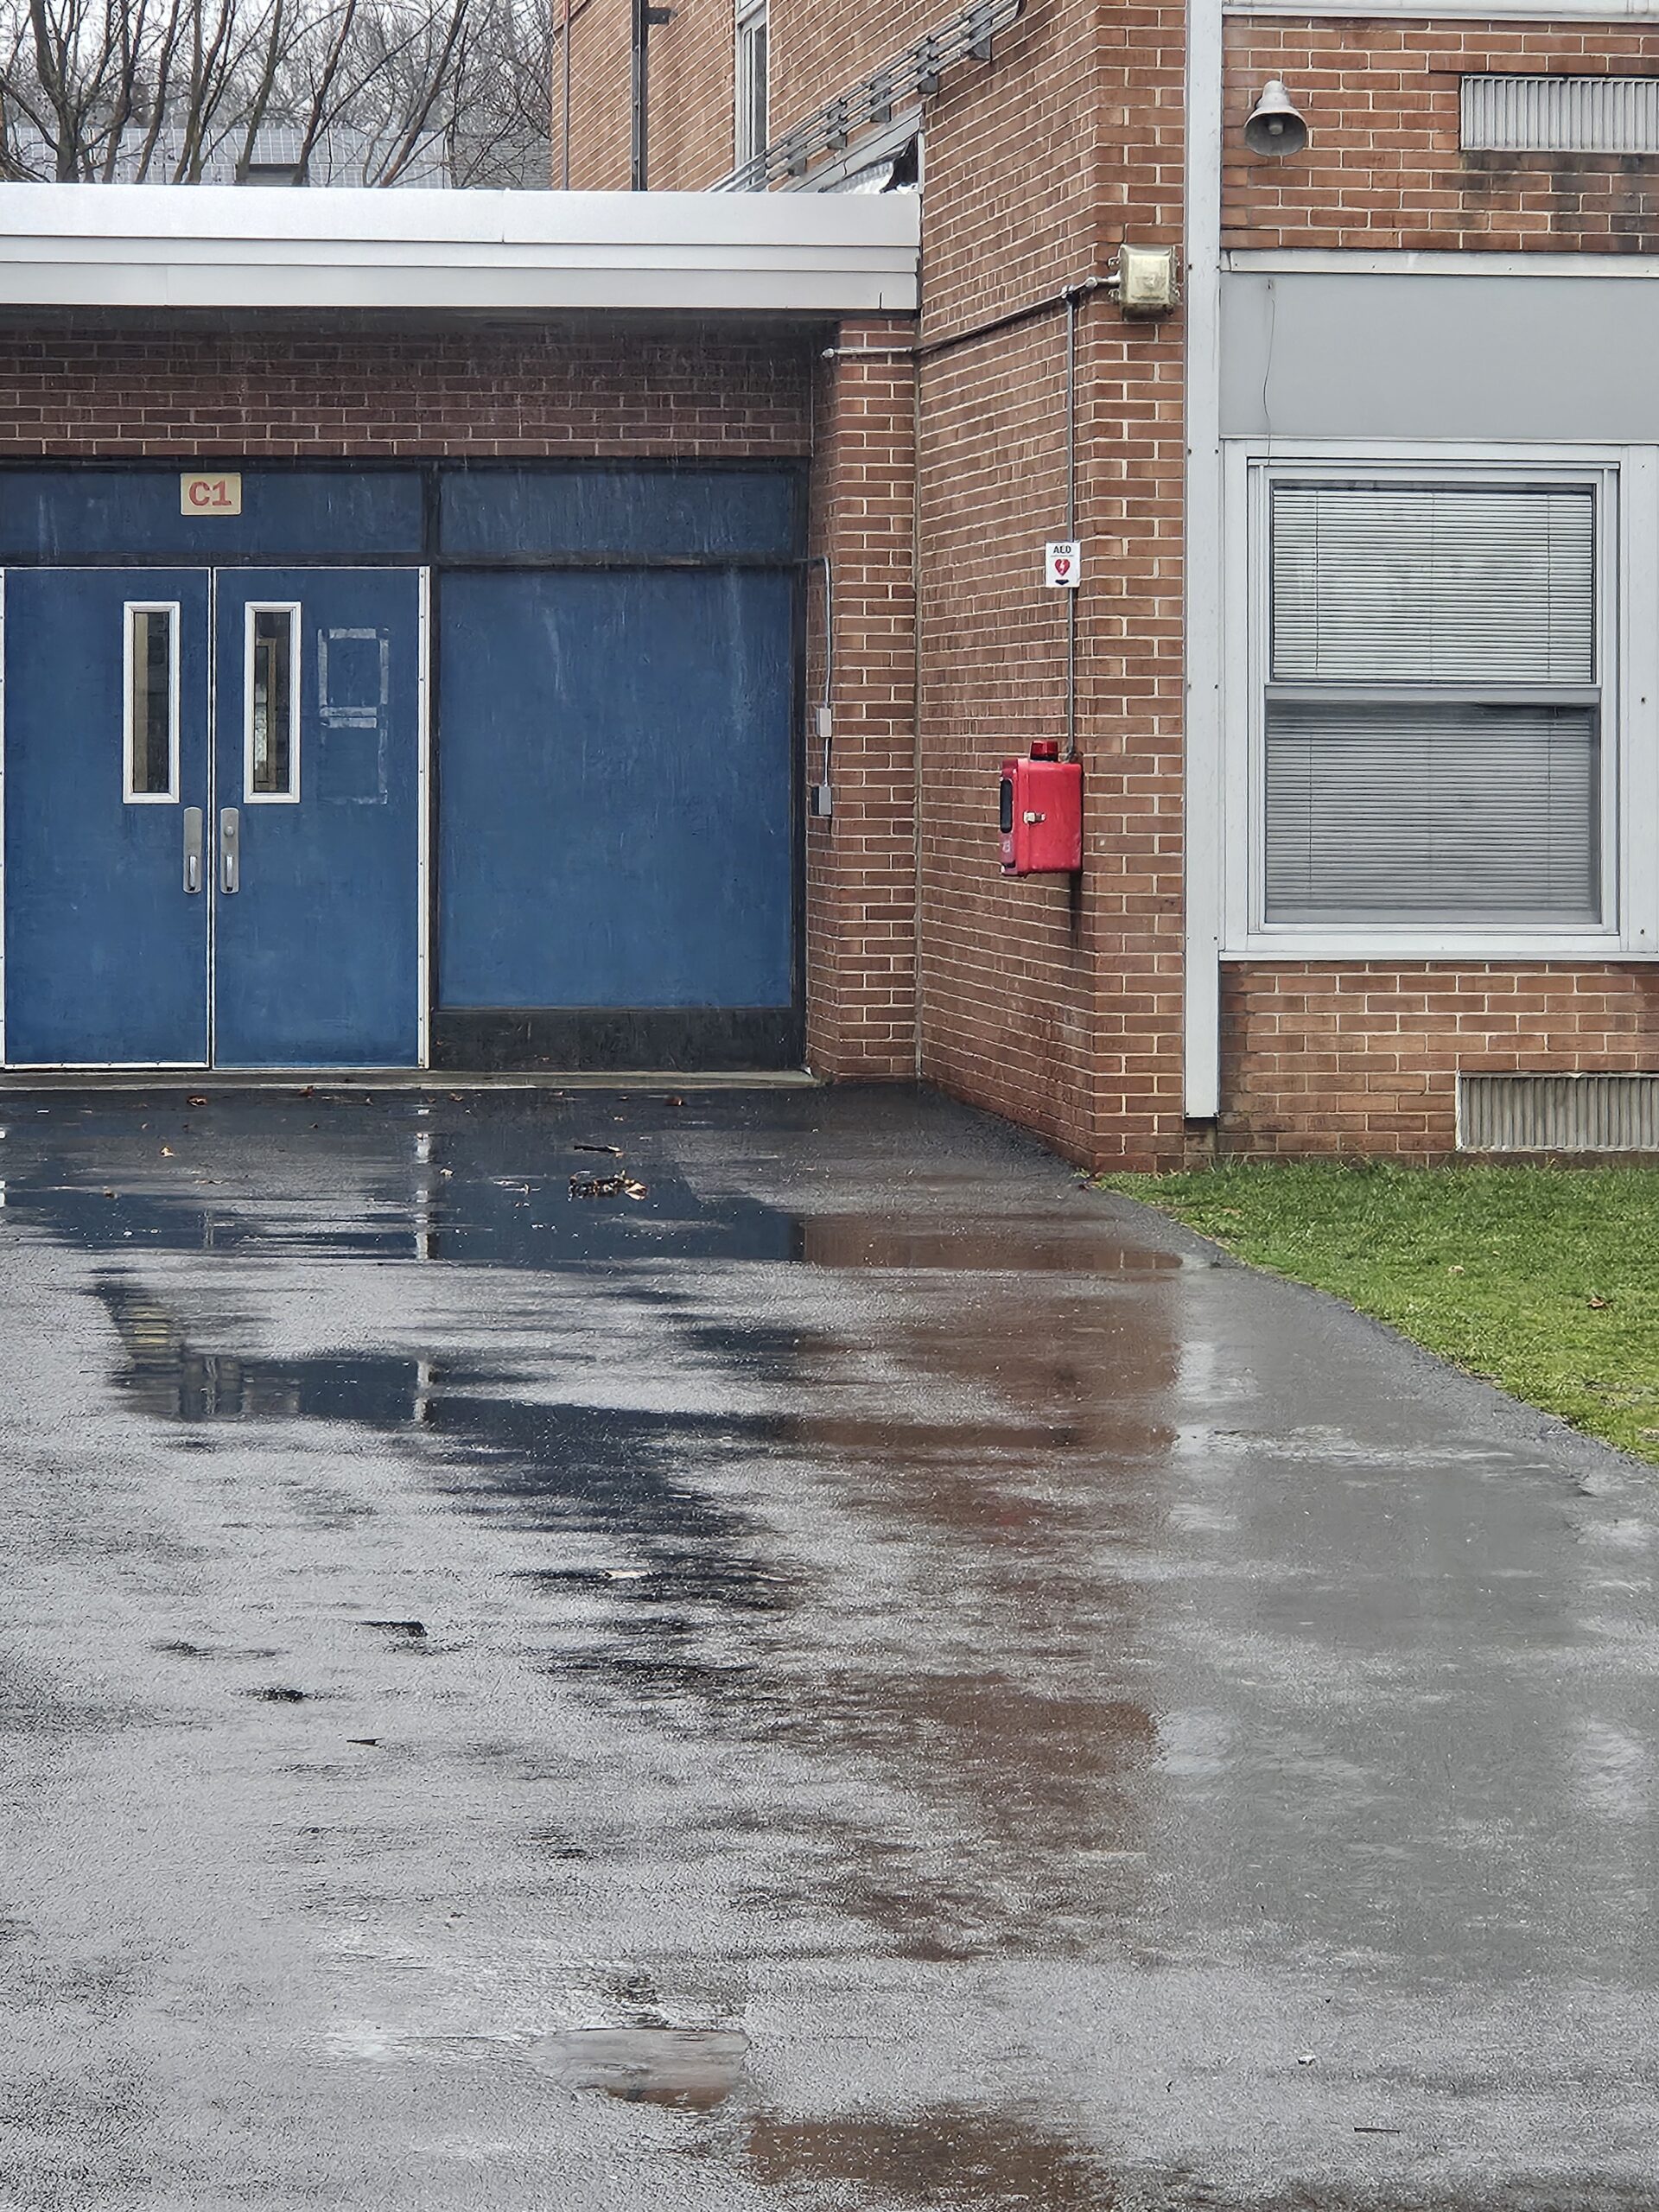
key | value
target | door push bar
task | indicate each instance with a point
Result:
(193, 848)
(230, 850)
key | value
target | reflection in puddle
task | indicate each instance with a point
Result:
(985, 1450)
(169, 1376)
(974, 1246)
(693, 2067)
(945, 2155)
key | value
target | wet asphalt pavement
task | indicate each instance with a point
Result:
(867, 1677)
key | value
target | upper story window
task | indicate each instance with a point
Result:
(750, 138)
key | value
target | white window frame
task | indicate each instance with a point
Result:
(291, 796)
(746, 16)
(130, 607)
(1555, 11)
(1626, 483)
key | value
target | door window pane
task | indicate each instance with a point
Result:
(273, 762)
(152, 714)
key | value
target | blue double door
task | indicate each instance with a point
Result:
(212, 811)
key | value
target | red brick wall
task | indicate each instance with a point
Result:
(535, 393)
(1324, 1057)
(1056, 1003)
(600, 97)
(1383, 168)
(860, 862)
(817, 48)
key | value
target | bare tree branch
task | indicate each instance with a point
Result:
(373, 92)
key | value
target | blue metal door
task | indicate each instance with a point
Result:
(642, 722)
(317, 898)
(106, 904)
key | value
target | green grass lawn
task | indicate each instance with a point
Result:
(1545, 1280)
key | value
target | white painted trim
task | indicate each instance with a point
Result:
(294, 613)
(1408, 458)
(1444, 948)
(746, 13)
(1638, 599)
(2, 817)
(1204, 551)
(424, 849)
(224, 248)
(1517, 11)
(1326, 261)
(210, 825)
(128, 609)
(1629, 829)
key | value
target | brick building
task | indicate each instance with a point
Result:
(1360, 671)
(402, 622)
(583, 630)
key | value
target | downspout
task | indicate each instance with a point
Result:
(564, 139)
(646, 18)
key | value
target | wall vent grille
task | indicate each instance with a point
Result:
(1561, 115)
(1558, 1113)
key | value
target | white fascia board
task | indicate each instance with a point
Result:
(1358, 261)
(1515, 11)
(253, 247)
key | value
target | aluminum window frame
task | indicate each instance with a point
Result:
(747, 17)
(1555, 11)
(1629, 819)
(173, 609)
(252, 610)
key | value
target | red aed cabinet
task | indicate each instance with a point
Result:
(1041, 813)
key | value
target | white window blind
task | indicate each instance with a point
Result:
(1471, 812)
(1426, 585)
(1432, 726)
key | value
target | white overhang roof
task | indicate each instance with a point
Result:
(240, 248)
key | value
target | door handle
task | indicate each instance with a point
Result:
(193, 848)
(230, 850)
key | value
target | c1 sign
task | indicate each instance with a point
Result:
(220, 494)
(1065, 562)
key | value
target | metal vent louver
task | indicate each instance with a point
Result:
(1561, 115)
(1558, 1113)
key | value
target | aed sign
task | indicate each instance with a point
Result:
(211, 495)
(1065, 562)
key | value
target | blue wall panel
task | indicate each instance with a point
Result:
(621, 514)
(84, 515)
(616, 817)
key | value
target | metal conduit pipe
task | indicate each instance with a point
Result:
(1071, 753)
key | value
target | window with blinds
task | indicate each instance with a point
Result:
(1434, 716)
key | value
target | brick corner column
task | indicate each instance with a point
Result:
(860, 862)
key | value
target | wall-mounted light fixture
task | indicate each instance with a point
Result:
(1142, 280)
(1275, 125)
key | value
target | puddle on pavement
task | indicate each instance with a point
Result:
(945, 2155)
(167, 1375)
(1056, 1246)
(1008, 1794)
(691, 2068)
(483, 1180)
(480, 1181)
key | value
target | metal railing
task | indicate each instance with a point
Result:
(917, 73)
